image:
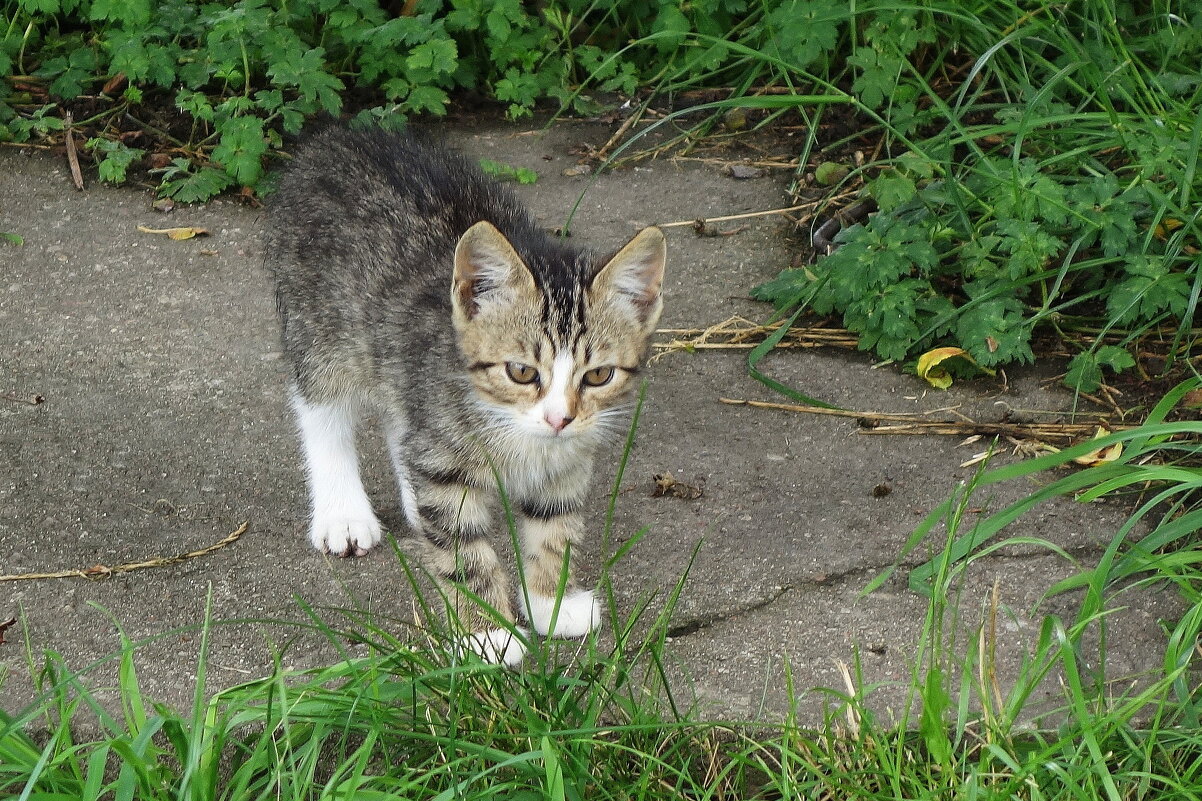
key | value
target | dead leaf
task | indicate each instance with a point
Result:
(667, 486)
(5, 626)
(579, 169)
(1103, 455)
(929, 370)
(114, 83)
(1192, 399)
(1166, 226)
(175, 233)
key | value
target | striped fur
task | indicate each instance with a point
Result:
(410, 285)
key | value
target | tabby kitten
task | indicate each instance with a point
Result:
(410, 284)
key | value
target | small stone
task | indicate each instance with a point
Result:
(743, 172)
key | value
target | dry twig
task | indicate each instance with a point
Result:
(72, 155)
(103, 571)
(883, 423)
(728, 217)
(739, 333)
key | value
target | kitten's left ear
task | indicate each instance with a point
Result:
(636, 274)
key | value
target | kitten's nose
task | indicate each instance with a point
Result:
(557, 422)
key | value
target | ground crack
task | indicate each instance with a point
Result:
(701, 622)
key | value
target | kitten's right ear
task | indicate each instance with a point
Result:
(484, 263)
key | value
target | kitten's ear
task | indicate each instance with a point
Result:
(636, 275)
(485, 262)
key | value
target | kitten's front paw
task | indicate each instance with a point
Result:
(345, 535)
(496, 646)
(579, 613)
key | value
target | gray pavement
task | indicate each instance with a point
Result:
(163, 428)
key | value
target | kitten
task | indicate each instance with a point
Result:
(410, 284)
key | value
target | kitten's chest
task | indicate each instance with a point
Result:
(546, 468)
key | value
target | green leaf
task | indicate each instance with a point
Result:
(994, 331)
(241, 149)
(196, 187)
(12, 239)
(130, 13)
(40, 6)
(117, 158)
(307, 72)
(1085, 370)
(71, 71)
(194, 103)
(804, 30)
(878, 75)
(439, 56)
(887, 319)
(891, 190)
(1149, 289)
(673, 22)
(426, 98)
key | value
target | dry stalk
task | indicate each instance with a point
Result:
(104, 571)
(739, 333)
(767, 212)
(883, 423)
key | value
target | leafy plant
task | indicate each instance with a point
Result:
(1056, 186)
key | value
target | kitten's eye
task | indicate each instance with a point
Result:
(521, 373)
(598, 376)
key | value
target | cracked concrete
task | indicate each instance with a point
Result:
(164, 427)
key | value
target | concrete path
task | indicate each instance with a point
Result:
(163, 428)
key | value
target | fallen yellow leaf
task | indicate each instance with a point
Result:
(929, 369)
(1103, 455)
(1166, 226)
(175, 233)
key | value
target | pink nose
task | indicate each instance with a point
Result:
(557, 422)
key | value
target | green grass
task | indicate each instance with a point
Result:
(401, 715)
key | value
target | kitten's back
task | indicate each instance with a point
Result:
(373, 200)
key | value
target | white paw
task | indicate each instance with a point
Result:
(579, 613)
(345, 534)
(496, 646)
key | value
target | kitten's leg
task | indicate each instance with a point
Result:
(394, 432)
(455, 520)
(342, 519)
(551, 527)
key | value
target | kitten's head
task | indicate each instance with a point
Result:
(554, 350)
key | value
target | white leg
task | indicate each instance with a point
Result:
(496, 646)
(579, 613)
(393, 433)
(343, 522)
